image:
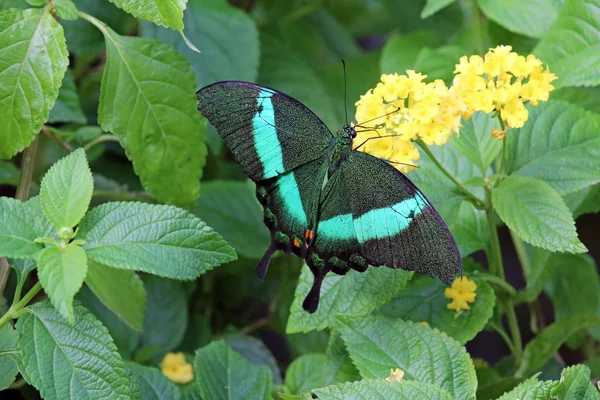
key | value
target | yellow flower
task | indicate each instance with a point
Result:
(461, 293)
(174, 367)
(424, 323)
(402, 109)
(395, 375)
(502, 81)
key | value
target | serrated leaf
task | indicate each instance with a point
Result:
(231, 209)
(585, 97)
(340, 368)
(400, 52)
(575, 383)
(476, 141)
(378, 344)
(62, 360)
(120, 291)
(148, 100)
(433, 6)
(539, 273)
(305, 373)
(225, 32)
(67, 107)
(221, 373)
(166, 13)
(423, 300)
(542, 347)
(354, 294)
(166, 316)
(17, 230)
(159, 239)
(537, 214)
(34, 60)
(572, 45)
(22, 267)
(153, 384)
(574, 287)
(61, 272)
(529, 18)
(65, 9)
(559, 144)
(9, 173)
(381, 389)
(256, 352)
(8, 353)
(531, 389)
(67, 189)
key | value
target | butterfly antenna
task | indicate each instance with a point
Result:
(345, 92)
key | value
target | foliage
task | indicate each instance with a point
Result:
(128, 235)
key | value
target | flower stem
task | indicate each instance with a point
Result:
(463, 190)
(100, 139)
(15, 310)
(503, 154)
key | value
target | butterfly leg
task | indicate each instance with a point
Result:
(263, 265)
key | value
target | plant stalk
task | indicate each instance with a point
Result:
(16, 309)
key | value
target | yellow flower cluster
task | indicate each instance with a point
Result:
(396, 375)
(174, 367)
(403, 108)
(462, 292)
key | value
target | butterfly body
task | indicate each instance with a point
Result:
(335, 207)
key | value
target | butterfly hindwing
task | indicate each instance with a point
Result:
(267, 131)
(394, 224)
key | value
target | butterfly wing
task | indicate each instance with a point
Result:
(387, 220)
(268, 132)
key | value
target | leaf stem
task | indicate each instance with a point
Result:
(52, 136)
(27, 167)
(463, 190)
(107, 137)
(16, 309)
(503, 154)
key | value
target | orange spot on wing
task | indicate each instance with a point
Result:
(309, 235)
(296, 242)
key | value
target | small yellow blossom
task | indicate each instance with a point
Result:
(174, 367)
(499, 133)
(395, 375)
(461, 293)
(424, 323)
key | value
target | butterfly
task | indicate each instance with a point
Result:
(335, 207)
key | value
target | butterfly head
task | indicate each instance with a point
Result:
(349, 131)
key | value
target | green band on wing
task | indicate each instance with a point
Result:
(388, 221)
(266, 141)
(289, 192)
(339, 227)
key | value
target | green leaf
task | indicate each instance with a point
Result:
(306, 372)
(9, 173)
(18, 229)
(378, 344)
(400, 52)
(540, 271)
(559, 144)
(148, 100)
(120, 291)
(531, 389)
(67, 108)
(231, 208)
(529, 18)
(572, 46)
(586, 97)
(153, 384)
(221, 373)
(60, 359)
(125, 338)
(225, 32)
(438, 63)
(8, 353)
(65, 9)
(67, 189)
(34, 54)
(61, 272)
(256, 352)
(476, 141)
(354, 294)
(381, 389)
(166, 316)
(166, 13)
(433, 6)
(423, 300)
(574, 287)
(159, 239)
(537, 214)
(340, 368)
(542, 348)
(575, 384)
